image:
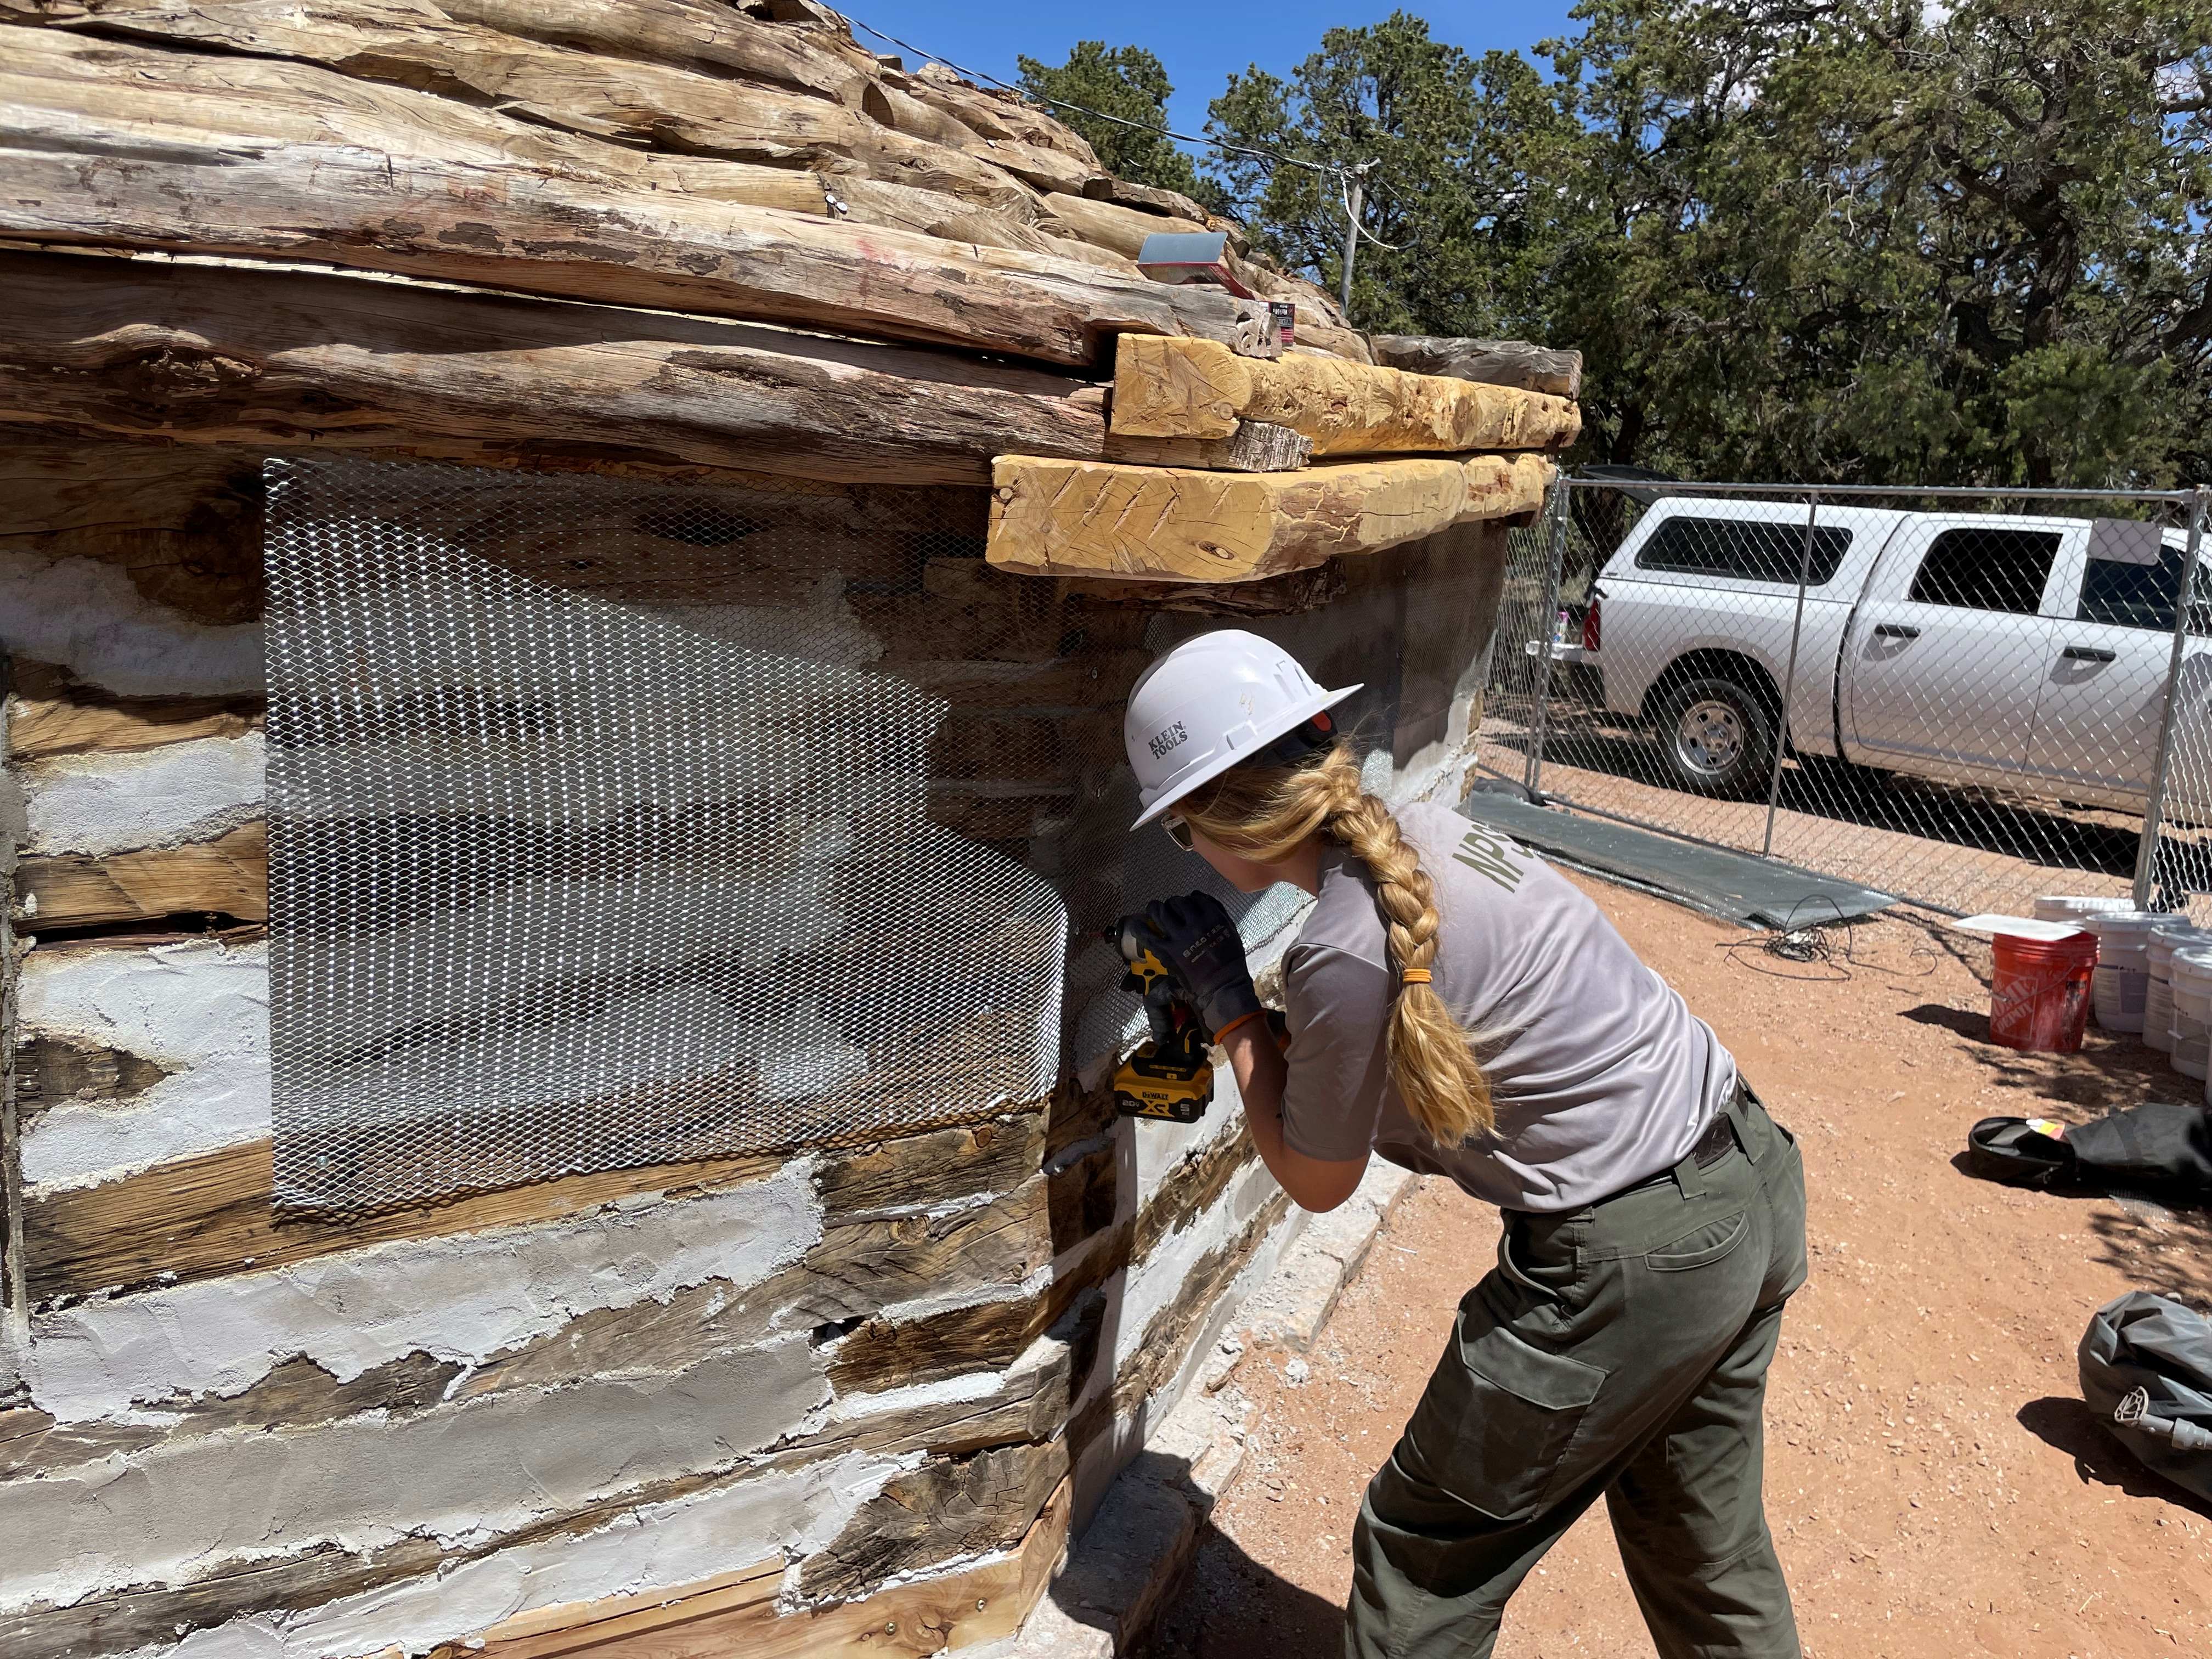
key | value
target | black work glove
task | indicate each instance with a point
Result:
(1197, 939)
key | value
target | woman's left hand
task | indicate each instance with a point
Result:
(1199, 938)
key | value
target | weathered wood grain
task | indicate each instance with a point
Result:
(141, 1616)
(861, 1267)
(205, 1217)
(888, 1353)
(1253, 446)
(948, 1508)
(1109, 225)
(221, 357)
(74, 719)
(736, 1614)
(635, 97)
(1170, 389)
(1496, 362)
(1179, 525)
(373, 200)
(1193, 1188)
(52, 1071)
(920, 1172)
(228, 876)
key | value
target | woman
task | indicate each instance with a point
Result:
(1458, 1008)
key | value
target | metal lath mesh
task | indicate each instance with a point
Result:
(617, 824)
(594, 843)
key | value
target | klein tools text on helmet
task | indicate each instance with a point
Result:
(1209, 703)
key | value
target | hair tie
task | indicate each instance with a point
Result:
(1415, 976)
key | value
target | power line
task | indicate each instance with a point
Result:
(1101, 115)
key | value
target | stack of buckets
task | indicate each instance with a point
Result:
(2140, 970)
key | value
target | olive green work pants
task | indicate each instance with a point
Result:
(1618, 1349)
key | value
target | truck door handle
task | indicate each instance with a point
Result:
(1895, 631)
(2089, 653)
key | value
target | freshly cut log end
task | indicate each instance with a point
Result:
(1160, 392)
(1186, 388)
(1179, 525)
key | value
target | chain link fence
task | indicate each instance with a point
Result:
(1967, 699)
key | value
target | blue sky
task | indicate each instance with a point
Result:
(1201, 42)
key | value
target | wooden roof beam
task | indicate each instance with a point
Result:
(1055, 517)
(1184, 388)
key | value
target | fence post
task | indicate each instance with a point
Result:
(2183, 587)
(1790, 679)
(1556, 557)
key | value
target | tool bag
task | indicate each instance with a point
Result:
(2147, 1374)
(2161, 1145)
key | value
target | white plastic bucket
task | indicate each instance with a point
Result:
(2060, 907)
(2158, 1000)
(2120, 991)
(2190, 975)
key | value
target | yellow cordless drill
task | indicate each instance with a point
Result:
(1168, 1076)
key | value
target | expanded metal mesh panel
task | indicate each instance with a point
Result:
(592, 844)
(1958, 700)
(617, 824)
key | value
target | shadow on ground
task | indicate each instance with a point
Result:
(2107, 1074)
(1234, 1608)
(2069, 1425)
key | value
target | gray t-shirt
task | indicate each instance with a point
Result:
(1601, 1074)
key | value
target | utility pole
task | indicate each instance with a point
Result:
(1355, 198)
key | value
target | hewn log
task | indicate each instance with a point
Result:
(226, 877)
(75, 719)
(630, 99)
(1193, 1188)
(949, 1507)
(1194, 389)
(1173, 523)
(718, 40)
(1126, 193)
(398, 190)
(1123, 229)
(1253, 446)
(201, 1218)
(214, 356)
(920, 1172)
(738, 1613)
(1496, 362)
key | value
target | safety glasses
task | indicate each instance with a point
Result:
(1178, 832)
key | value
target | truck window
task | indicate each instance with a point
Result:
(1749, 550)
(2138, 595)
(1986, 567)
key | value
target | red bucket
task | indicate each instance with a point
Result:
(2039, 994)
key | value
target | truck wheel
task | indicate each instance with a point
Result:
(1718, 739)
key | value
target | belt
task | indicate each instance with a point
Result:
(1718, 1140)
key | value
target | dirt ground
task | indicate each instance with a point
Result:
(1934, 1483)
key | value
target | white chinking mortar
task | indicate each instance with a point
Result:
(460, 1475)
(84, 615)
(198, 1009)
(463, 1299)
(656, 1547)
(102, 804)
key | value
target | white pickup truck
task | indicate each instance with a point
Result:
(2028, 655)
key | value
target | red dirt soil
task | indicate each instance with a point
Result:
(1936, 1485)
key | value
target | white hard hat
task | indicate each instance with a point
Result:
(1209, 703)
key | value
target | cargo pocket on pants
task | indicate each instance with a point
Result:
(1498, 1417)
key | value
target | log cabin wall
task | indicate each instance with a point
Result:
(774, 1382)
(849, 1394)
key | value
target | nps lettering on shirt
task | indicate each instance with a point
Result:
(1488, 856)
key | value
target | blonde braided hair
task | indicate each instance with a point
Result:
(1263, 812)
